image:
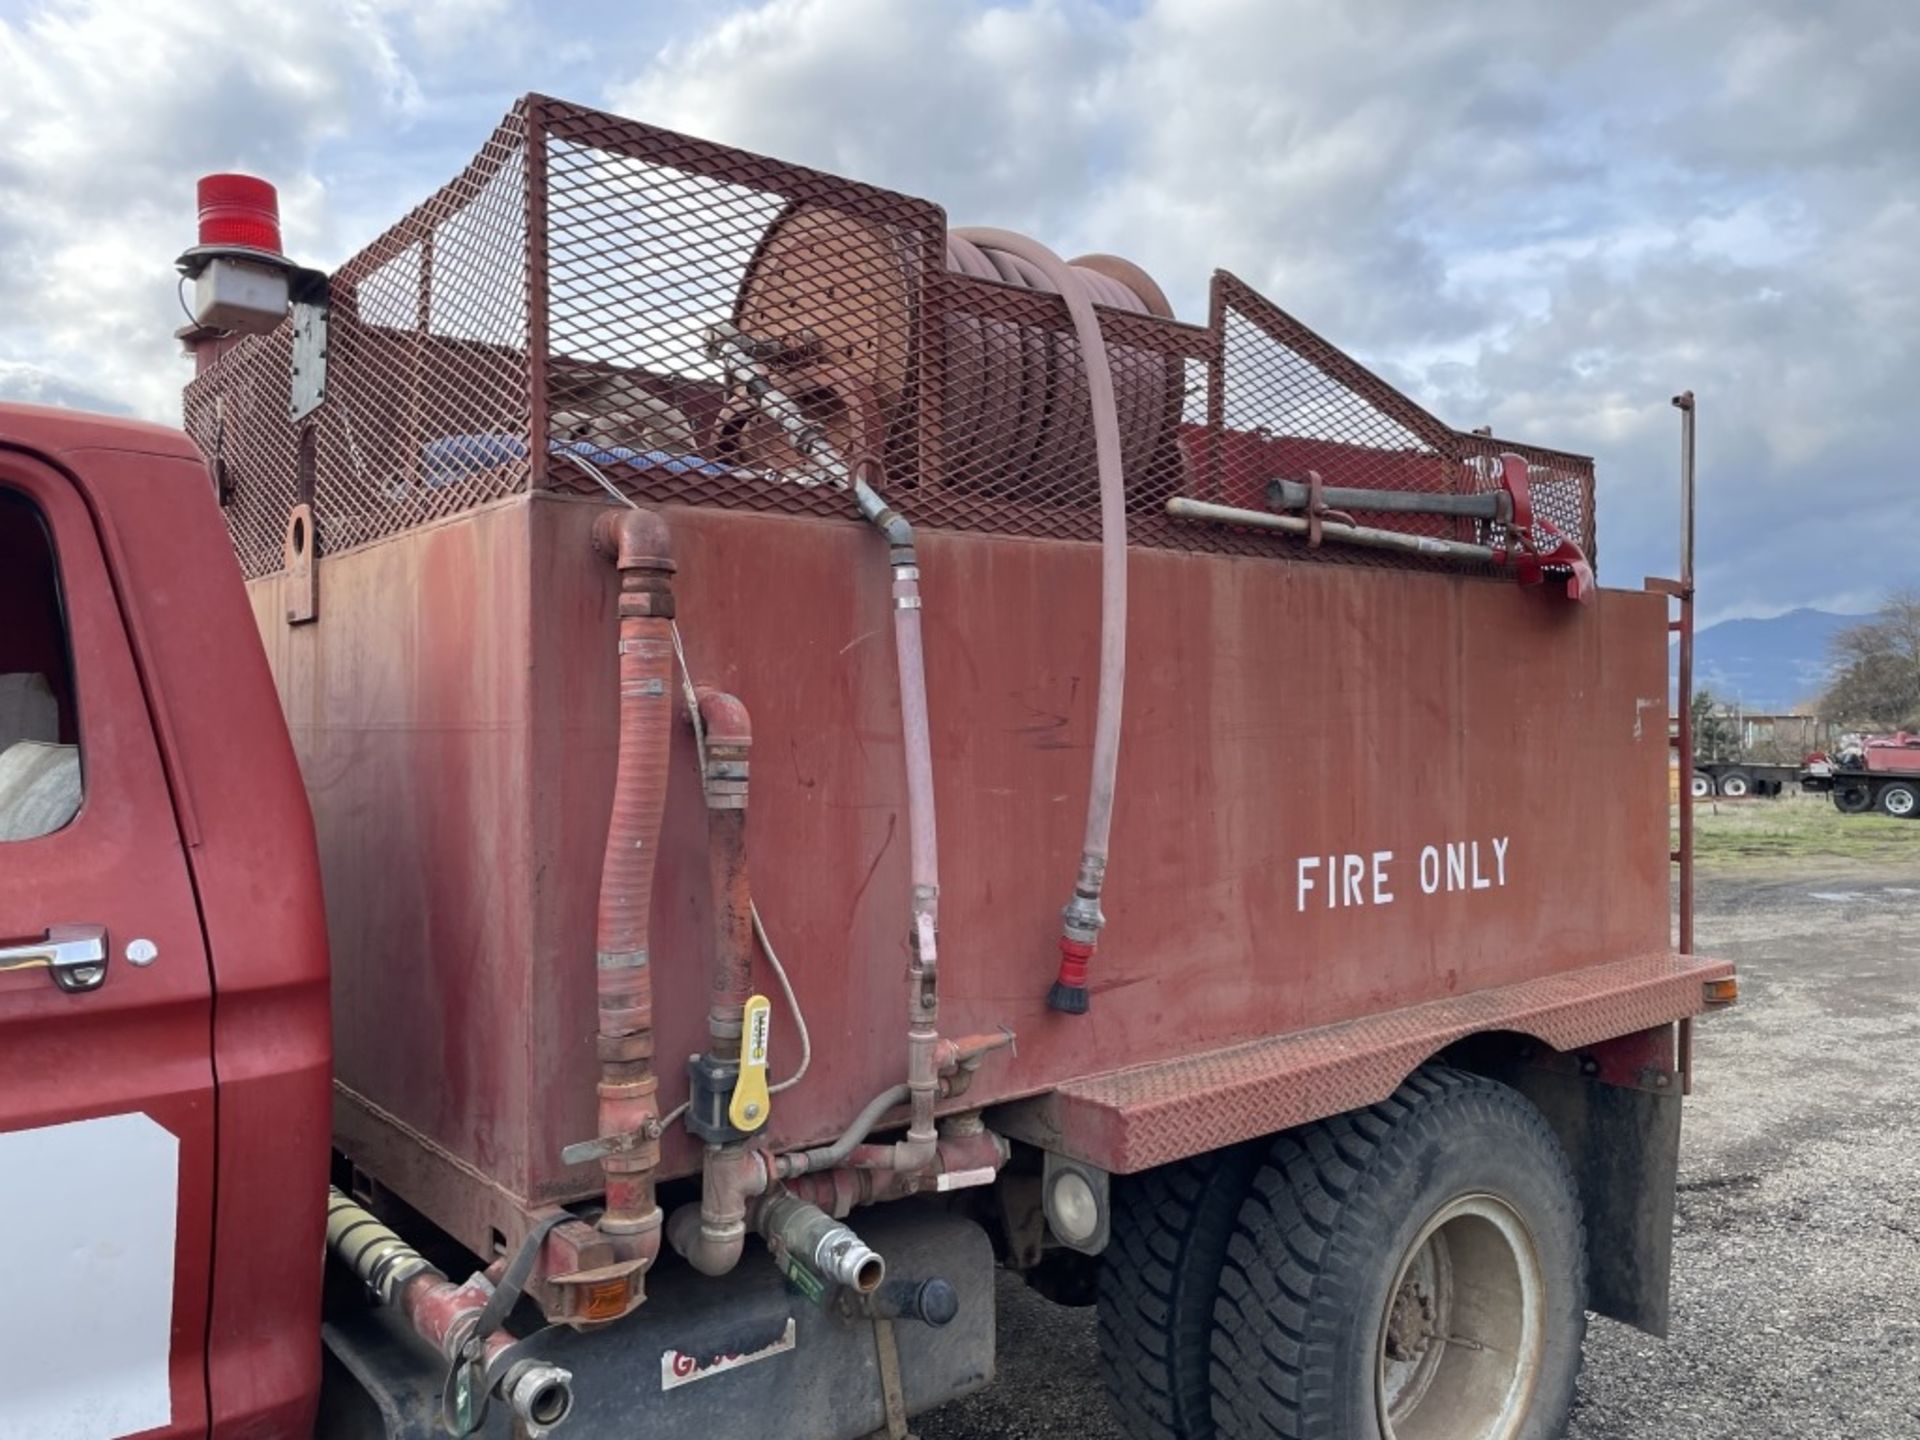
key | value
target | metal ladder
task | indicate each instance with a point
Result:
(1680, 725)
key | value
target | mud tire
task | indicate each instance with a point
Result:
(1319, 1250)
(1158, 1282)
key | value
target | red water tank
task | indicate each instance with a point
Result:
(1894, 754)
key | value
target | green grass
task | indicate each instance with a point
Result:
(1730, 833)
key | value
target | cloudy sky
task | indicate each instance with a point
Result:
(1545, 217)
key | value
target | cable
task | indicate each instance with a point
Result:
(700, 749)
(180, 294)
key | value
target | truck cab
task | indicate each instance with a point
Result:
(164, 1044)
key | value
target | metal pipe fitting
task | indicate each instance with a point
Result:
(826, 1157)
(740, 358)
(712, 1234)
(540, 1394)
(957, 1060)
(963, 1158)
(805, 1232)
(442, 1313)
(916, 1152)
(883, 517)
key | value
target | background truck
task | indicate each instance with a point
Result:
(631, 551)
(1869, 772)
(1737, 779)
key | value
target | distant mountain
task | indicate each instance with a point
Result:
(1767, 665)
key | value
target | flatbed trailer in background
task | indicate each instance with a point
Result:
(1738, 779)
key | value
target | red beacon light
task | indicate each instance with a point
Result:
(239, 212)
(242, 282)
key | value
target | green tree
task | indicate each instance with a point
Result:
(1876, 669)
(1714, 735)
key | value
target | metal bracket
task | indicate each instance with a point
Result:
(307, 382)
(300, 586)
(892, 1391)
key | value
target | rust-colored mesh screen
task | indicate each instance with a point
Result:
(651, 240)
(427, 379)
(1289, 403)
(237, 412)
(547, 316)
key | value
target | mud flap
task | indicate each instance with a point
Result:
(1624, 1145)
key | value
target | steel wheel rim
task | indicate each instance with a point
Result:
(1702, 787)
(1733, 787)
(1899, 801)
(1464, 1327)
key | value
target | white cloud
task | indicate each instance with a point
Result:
(111, 110)
(992, 112)
(1545, 217)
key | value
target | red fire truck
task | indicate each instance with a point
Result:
(475, 801)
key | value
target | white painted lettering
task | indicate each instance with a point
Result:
(1356, 879)
(1381, 895)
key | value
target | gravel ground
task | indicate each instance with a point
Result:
(1797, 1267)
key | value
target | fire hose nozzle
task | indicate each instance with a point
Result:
(1080, 923)
(1069, 993)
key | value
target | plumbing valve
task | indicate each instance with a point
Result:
(710, 1087)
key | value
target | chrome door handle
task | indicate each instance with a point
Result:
(76, 954)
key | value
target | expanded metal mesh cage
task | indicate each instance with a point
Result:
(547, 320)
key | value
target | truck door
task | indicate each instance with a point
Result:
(106, 1076)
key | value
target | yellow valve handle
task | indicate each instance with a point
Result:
(751, 1103)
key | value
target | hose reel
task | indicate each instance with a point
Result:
(833, 305)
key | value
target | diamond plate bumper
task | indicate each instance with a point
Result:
(1147, 1115)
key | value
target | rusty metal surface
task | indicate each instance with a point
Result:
(453, 716)
(557, 294)
(451, 705)
(1151, 1114)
